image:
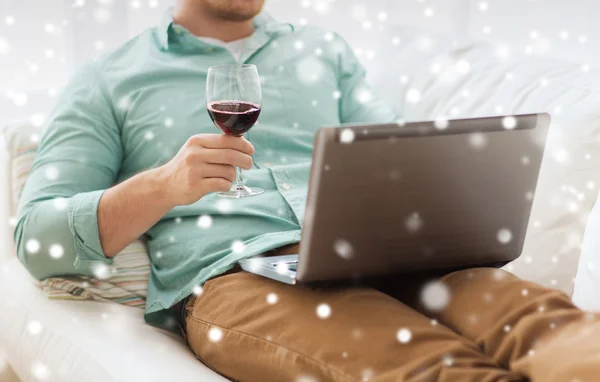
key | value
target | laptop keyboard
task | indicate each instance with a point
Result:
(291, 265)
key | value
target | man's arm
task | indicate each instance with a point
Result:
(358, 101)
(79, 157)
(70, 219)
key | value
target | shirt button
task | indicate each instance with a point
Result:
(286, 186)
(209, 49)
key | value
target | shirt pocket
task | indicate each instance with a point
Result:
(309, 92)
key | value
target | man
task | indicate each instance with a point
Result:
(131, 151)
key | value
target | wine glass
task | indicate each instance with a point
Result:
(233, 101)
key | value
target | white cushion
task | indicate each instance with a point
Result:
(474, 79)
(86, 341)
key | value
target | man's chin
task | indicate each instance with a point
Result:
(237, 17)
(236, 10)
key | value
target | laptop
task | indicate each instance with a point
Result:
(397, 198)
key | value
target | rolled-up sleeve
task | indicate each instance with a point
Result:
(358, 102)
(79, 157)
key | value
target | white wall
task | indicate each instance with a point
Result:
(556, 28)
(41, 41)
(362, 23)
(552, 28)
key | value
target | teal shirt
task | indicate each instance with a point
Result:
(133, 109)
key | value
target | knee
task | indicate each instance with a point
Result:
(571, 367)
(493, 274)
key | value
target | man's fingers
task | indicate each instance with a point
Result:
(223, 171)
(222, 141)
(227, 156)
(217, 184)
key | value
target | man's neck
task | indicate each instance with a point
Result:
(199, 23)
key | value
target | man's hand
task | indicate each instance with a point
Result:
(203, 165)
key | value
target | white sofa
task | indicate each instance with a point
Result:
(89, 341)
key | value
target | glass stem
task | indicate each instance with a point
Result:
(239, 178)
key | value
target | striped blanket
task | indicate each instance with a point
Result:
(127, 284)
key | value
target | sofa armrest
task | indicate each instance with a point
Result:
(7, 248)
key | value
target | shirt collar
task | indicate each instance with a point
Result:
(263, 23)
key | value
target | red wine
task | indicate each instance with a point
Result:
(233, 117)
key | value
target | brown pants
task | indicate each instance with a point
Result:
(495, 327)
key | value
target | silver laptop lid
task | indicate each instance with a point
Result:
(388, 198)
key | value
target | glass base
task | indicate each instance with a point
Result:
(238, 192)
